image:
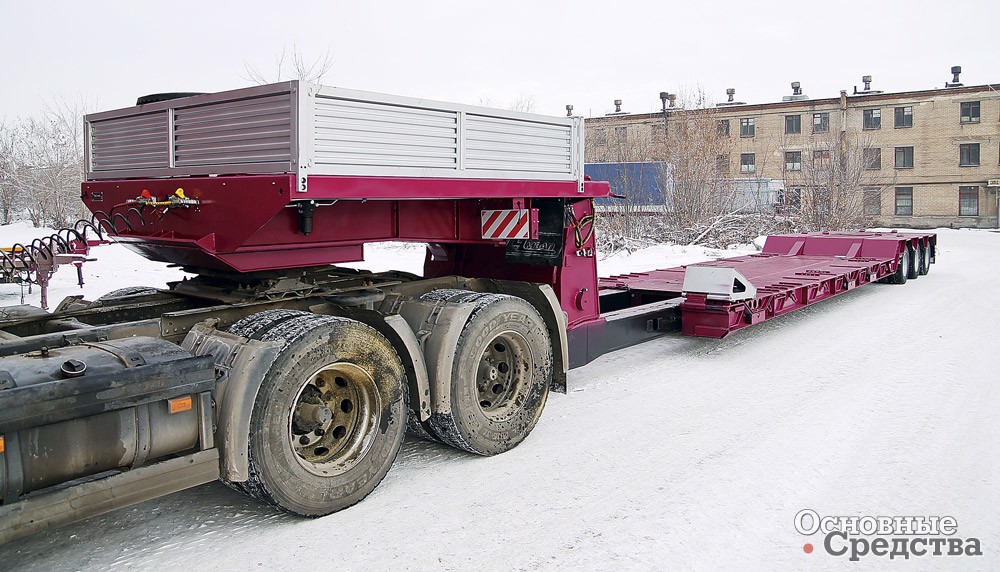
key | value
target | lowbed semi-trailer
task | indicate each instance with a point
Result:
(293, 379)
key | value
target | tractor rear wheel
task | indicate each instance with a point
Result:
(500, 375)
(329, 417)
(127, 293)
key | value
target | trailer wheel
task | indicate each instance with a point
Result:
(329, 417)
(902, 269)
(914, 269)
(925, 259)
(500, 376)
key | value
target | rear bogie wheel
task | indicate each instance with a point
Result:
(925, 259)
(329, 417)
(913, 272)
(902, 268)
(500, 375)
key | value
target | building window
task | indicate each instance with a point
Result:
(621, 135)
(794, 198)
(789, 199)
(968, 201)
(968, 155)
(722, 128)
(821, 122)
(872, 158)
(722, 164)
(970, 112)
(873, 118)
(904, 157)
(904, 201)
(747, 127)
(793, 160)
(748, 162)
(904, 117)
(601, 137)
(821, 159)
(872, 202)
(822, 201)
(793, 124)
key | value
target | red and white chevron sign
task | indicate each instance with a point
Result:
(508, 223)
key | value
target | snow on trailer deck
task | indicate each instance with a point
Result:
(790, 273)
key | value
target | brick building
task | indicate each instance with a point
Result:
(930, 158)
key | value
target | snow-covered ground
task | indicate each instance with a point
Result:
(675, 454)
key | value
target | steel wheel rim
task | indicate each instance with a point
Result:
(332, 419)
(505, 368)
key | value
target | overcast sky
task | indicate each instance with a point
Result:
(557, 52)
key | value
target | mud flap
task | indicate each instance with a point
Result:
(438, 326)
(241, 365)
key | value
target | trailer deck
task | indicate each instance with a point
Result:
(792, 271)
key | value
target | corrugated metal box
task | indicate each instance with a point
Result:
(311, 130)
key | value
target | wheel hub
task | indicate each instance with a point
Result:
(502, 372)
(333, 413)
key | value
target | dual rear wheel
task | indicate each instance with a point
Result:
(501, 374)
(330, 414)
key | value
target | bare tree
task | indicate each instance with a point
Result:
(635, 150)
(709, 204)
(839, 175)
(292, 66)
(10, 199)
(523, 102)
(698, 158)
(700, 199)
(41, 166)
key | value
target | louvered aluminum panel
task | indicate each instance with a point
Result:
(306, 129)
(504, 144)
(257, 130)
(131, 142)
(363, 133)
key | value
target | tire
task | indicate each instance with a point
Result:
(914, 270)
(256, 325)
(155, 97)
(126, 293)
(329, 417)
(902, 269)
(501, 374)
(925, 259)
